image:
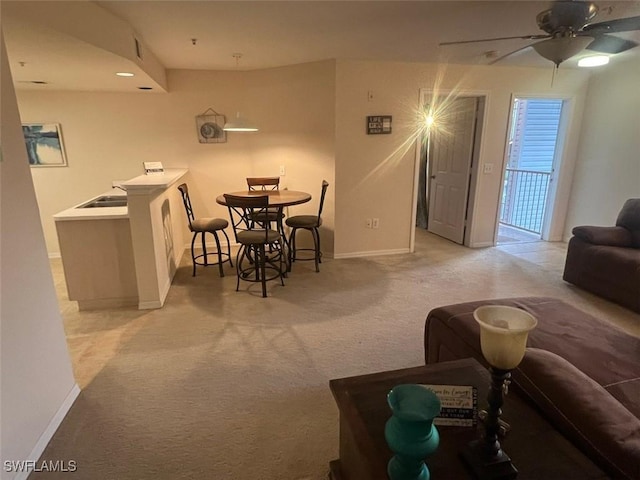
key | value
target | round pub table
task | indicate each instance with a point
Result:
(278, 199)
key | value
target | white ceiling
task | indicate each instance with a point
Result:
(38, 54)
(271, 34)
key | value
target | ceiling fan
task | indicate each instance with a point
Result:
(568, 32)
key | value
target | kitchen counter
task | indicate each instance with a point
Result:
(116, 256)
(140, 185)
(150, 183)
(77, 213)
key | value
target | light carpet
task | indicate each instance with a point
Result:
(221, 384)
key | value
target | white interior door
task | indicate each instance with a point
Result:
(451, 143)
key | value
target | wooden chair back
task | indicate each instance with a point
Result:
(263, 183)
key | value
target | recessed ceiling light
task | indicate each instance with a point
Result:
(124, 74)
(594, 61)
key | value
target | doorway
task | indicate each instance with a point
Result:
(533, 149)
(447, 158)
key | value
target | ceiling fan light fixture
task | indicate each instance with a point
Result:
(560, 49)
(593, 61)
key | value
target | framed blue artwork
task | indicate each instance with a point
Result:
(44, 144)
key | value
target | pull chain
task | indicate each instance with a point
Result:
(553, 74)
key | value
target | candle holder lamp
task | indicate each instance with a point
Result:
(503, 339)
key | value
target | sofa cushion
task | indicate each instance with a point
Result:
(610, 272)
(583, 410)
(613, 236)
(629, 218)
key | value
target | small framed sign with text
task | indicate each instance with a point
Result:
(378, 124)
(153, 168)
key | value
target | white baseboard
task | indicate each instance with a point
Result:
(482, 245)
(372, 253)
(48, 433)
(165, 289)
(149, 305)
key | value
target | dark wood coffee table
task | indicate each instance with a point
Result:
(536, 449)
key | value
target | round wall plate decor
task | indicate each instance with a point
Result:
(210, 128)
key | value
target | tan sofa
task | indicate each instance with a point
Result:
(606, 260)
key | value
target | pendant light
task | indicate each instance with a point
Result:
(239, 124)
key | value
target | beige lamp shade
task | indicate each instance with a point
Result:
(503, 334)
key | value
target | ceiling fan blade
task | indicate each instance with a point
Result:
(628, 24)
(610, 44)
(523, 37)
(496, 60)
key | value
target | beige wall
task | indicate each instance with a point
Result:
(375, 173)
(37, 384)
(608, 167)
(312, 120)
(108, 135)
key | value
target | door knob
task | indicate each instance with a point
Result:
(432, 176)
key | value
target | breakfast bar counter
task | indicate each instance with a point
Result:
(123, 247)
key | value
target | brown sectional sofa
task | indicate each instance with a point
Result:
(583, 374)
(606, 260)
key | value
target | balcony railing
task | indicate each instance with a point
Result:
(523, 199)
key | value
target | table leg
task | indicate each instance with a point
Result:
(285, 241)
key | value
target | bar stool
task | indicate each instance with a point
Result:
(201, 226)
(270, 214)
(310, 223)
(253, 262)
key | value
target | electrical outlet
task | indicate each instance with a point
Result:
(369, 223)
(488, 168)
(282, 171)
(375, 223)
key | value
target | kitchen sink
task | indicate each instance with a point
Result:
(106, 201)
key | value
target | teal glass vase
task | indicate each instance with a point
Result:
(410, 432)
